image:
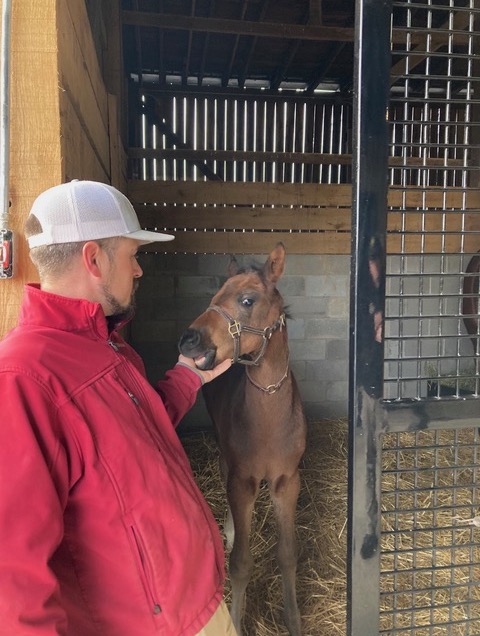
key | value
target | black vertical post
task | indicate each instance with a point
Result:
(367, 300)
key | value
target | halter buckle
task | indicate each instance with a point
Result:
(234, 328)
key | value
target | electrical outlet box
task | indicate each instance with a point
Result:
(6, 254)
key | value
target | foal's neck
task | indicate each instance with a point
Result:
(273, 367)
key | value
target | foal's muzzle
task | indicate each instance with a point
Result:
(190, 345)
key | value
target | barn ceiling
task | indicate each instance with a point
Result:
(287, 45)
(240, 44)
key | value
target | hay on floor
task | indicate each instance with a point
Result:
(321, 534)
(428, 488)
(430, 554)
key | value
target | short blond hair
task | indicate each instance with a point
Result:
(52, 260)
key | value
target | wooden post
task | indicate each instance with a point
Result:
(34, 133)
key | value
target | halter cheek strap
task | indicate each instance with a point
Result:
(236, 328)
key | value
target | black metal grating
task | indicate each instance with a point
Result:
(430, 552)
(414, 508)
(434, 191)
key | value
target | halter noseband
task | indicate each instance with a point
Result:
(235, 329)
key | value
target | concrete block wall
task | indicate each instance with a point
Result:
(176, 288)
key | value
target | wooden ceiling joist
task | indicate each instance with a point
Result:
(237, 27)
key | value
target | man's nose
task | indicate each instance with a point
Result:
(138, 272)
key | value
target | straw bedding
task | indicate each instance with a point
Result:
(321, 533)
(435, 540)
(430, 551)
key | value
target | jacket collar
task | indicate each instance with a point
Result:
(41, 308)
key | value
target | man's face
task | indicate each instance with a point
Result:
(121, 280)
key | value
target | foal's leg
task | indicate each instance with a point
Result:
(284, 492)
(241, 493)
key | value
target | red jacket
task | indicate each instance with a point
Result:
(103, 530)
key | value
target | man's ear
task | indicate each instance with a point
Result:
(91, 255)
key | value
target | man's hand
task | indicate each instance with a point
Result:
(209, 375)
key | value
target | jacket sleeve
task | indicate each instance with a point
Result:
(33, 490)
(179, 391)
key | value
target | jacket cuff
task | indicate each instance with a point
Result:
(197, 373)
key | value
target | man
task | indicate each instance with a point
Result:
(103, 531)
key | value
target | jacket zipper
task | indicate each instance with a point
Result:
(145, 415)
(143, 565)
(112, 345)
(135, 400)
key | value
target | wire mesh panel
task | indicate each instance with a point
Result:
(429, 524)
(414, 531)
(435, 134)
(430, 556)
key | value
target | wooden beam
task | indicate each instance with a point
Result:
(227, 73)
(279, 218)
(234, 218)
(252, 94)
(253, 243)
(262, 29)
(297, 243)
(296, 194)
(231, 193)
(325, 66)
(237, 27)
(240, 155)
(315, 158)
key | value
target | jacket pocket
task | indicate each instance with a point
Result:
(144, 569)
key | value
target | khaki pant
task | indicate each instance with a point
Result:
(220, 624)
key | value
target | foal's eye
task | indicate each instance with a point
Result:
(247, 302)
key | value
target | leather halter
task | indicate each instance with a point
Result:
(235, 329)
(270, 389)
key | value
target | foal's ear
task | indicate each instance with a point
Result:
(233, 267)
(273, 268)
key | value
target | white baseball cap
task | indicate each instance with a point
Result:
(86, 211)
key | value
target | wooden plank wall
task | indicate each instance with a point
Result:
(310, 218)
(35, 155)
(91, 147)
(222, 171)
(64, 122)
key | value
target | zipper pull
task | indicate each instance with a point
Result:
(133, 398)
(113, 345)
(157, 609)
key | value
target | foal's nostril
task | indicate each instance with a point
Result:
(189, 341)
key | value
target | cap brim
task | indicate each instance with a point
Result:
(149, 237)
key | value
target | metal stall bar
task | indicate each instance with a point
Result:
(367, 297)
(6, 235)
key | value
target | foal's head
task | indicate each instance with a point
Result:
(248, 301)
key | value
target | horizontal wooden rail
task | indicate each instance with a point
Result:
(299, 194)
(218, 217)
(278, 218)
(297, 243)
(231, 218)
(311, 158)
(231, 193)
